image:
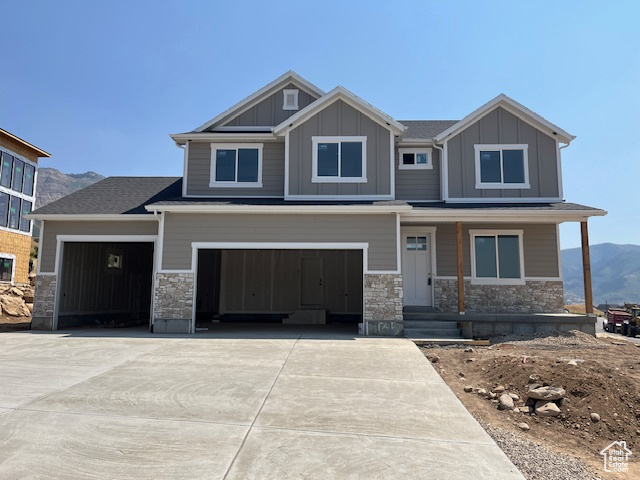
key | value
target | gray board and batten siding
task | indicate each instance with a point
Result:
(418, 184)
(269, 112)
(199, 172)
(502, 127)
(378, 230)
(53, 228)
(339, 119)
(540, 243)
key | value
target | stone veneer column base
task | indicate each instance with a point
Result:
(383, 304)
(533, 297)
(173, 302)
(44, 302)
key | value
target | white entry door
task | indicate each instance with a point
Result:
(416, 268)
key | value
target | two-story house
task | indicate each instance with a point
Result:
(303, 206)
(18, 169)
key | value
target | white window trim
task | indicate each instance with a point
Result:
(10, 256)
(290, 91)
(314, 159)
(416, 150)
(496, 281)
(500, 147)
(213, 183)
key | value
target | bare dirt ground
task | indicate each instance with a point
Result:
(606, 381)
(12, 324)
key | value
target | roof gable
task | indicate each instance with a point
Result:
(340, 93)
(282, 81)
(513, 107)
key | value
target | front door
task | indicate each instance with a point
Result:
(416, 268)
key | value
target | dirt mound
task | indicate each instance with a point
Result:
(599, 376)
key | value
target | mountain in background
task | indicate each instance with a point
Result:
(615, 274)
(52, 184)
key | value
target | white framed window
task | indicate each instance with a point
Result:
(414, 159)
(502, 166)
(339, 159)
(497, 257)
(236, 165)
(7, 267)
(290, 99)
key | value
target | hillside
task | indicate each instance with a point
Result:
(615, 272)
(52, 184)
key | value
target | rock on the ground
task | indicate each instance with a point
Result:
(595, 418)
(468, 350)
(547, 393)
(505, 402)
(468, 389)
(492, 396)
(524, 426)
(534, 378)
(514, 397)
(434, 359)
(14, 306)
(516, 410)
(482, 391)
(499, 389)
(547, 409)
(573, 363)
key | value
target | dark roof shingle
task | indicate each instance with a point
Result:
(115, 196)
(425, 128)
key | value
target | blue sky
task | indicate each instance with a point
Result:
(100, 85)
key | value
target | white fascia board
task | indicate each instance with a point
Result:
(340, 93)
(248, 102)
(483, 216)
(415, 142)
(276, 209)
(92, 218)
(182, 138)
(517, 109)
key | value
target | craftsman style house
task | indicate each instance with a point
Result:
(18, 165)
(303, 206)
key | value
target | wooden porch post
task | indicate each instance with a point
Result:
(586, 269)
(460, 268)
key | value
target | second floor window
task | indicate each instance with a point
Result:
(16, 174)
(238, 166)
(502, 166)
(339, 159)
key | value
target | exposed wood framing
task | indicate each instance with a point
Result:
(586, 269)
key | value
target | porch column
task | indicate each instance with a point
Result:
(586, 269)
(460, 268)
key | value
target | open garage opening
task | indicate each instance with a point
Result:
(291, 287)
(105, 284)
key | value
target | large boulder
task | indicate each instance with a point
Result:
(547, 393)
(14, 306)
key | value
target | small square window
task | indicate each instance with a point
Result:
(415, 159)
(290, 99)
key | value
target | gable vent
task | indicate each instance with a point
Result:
(290, 99)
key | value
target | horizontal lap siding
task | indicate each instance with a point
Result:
(52, 229)
(540, 248)
(418, 184)
(502, 127)
(379, 231)
(199, 172)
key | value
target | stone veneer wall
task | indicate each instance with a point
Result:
(173, 296)
(383, 304)
(44, 302)
(533, 297)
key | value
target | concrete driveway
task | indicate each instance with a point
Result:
(125, 404)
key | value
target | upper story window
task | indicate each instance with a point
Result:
(16, 174)
(497, 257)
(414, 159)
(290, 99)
(236, 165)
(6, 267)
(339, 159)
(502, 166)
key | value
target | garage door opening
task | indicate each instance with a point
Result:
(295, 287)
(106, 284)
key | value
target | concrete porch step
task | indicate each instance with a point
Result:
(418, 309)
(432, 332)
(429, 324)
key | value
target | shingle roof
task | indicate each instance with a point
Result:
(551, 207)
(425, 128)
(115, 195)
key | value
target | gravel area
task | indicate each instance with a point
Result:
(573, 338)
(535, 461)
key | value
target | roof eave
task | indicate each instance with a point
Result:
(38, 151)
(312, 209)
(90, 217)
(514, 107)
